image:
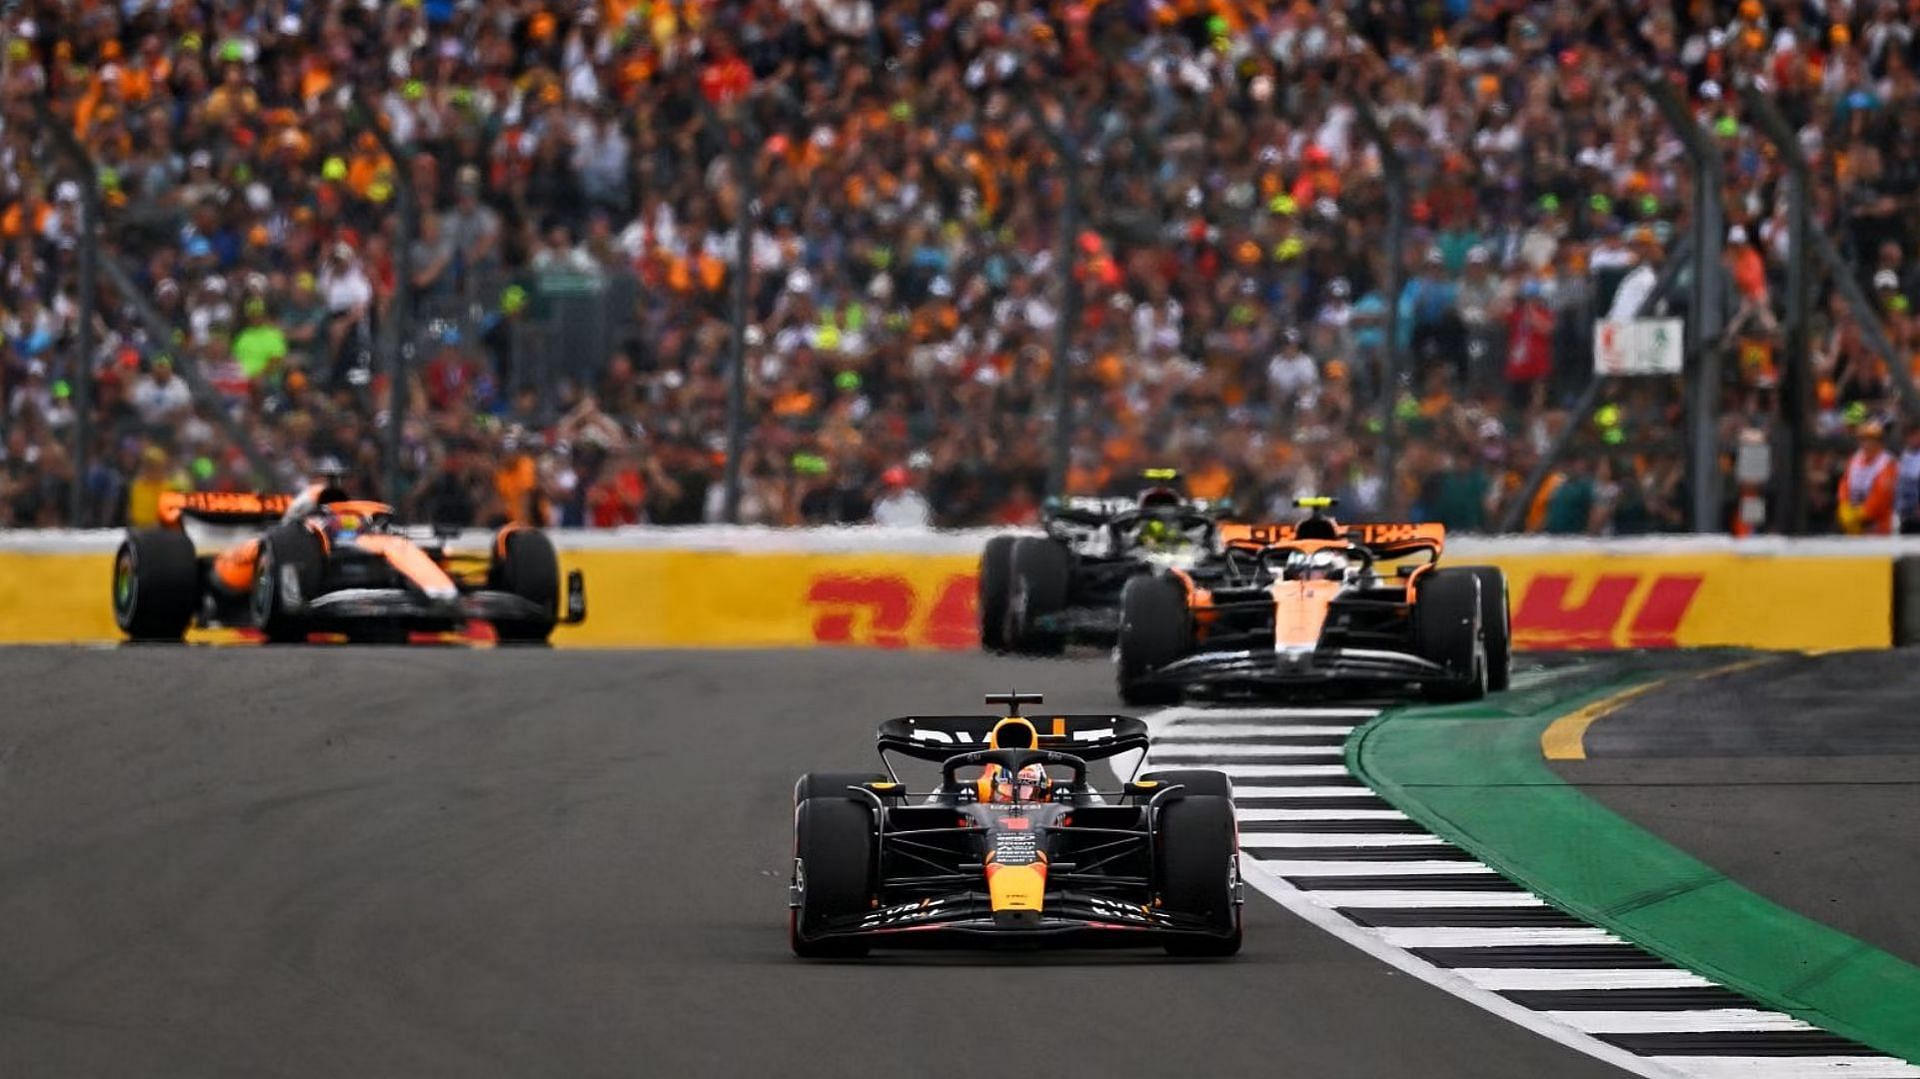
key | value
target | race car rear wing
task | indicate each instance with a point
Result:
(1386, 541)
(936, 738)
(223, 507)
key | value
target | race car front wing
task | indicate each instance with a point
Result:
(1253, 669)
(966, 919)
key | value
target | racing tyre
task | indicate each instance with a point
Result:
(832, 784)
(833, 873)
(1040, 569)
(525, 564)
(1197, 871)
(1153, 633)
(1198, 782)
(996, 580)
(275, 611)
(156, 584)
(1446, 630)
(1496, 625)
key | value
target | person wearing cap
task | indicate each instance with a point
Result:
(1749, 273)
(899, 505)
(1867, 486)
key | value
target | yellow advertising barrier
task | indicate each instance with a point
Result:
(713, 599)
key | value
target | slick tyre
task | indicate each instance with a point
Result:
(1496, 625)
(1194, 782)
(1039, 573)
(1196, 866)
(526, 565)
(833, 872)
(156, 584)
(996, 581)
(1154, 632)
(831, 784)
(1446, 629)
(292, 547)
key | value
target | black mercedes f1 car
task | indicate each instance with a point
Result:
(1039, 594)
(1013, 844)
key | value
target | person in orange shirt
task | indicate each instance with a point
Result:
(1866, 488)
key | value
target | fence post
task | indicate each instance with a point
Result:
(735, 134)
(1704, 327)
(81, 371)
(397, 329)
(1394, 171)
(1796, 386)
(1066, 146)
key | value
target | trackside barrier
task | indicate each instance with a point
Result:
(743, 588)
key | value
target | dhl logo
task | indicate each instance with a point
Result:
(1602, 610)
(1577, 611)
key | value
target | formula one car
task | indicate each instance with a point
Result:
(1313, 604)
(1013, 845)
(290, 566)
(1040, 593)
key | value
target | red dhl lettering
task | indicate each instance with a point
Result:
(1552, 613)
(1551, 610)
(886, 611)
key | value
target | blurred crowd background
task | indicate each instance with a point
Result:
(568, 333)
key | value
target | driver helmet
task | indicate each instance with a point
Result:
(1029, 784)
(1326, 565)
(344, 524)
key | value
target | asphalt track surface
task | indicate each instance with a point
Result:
(1798, 778)
(436, 861)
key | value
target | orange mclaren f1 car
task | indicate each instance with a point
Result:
(323, 562)
(1289, 608)
(1013, 845)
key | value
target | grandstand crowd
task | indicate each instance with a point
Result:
(909, 164)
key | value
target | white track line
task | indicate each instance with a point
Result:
(1717, 1067)
(1310, 868)
(1261, 840)
(1690, 1021)
(1319, 814)
(1512, 979)
(1450, 936)
(1398, 899)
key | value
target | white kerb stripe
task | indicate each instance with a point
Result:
(1245, 793)
(1319, 814)
(1704, 1067)
(1493, 937)
(1339, 898)
(1260, 875)
(1175, 716)
(1274, 771)
(1179, 734)
(1261, 840)
(1226, 751)
(1696, 1021)
(1502, 979)
(1310, 868)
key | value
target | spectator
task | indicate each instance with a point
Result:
(1867, 488)
(160, 397)
(900, 506)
